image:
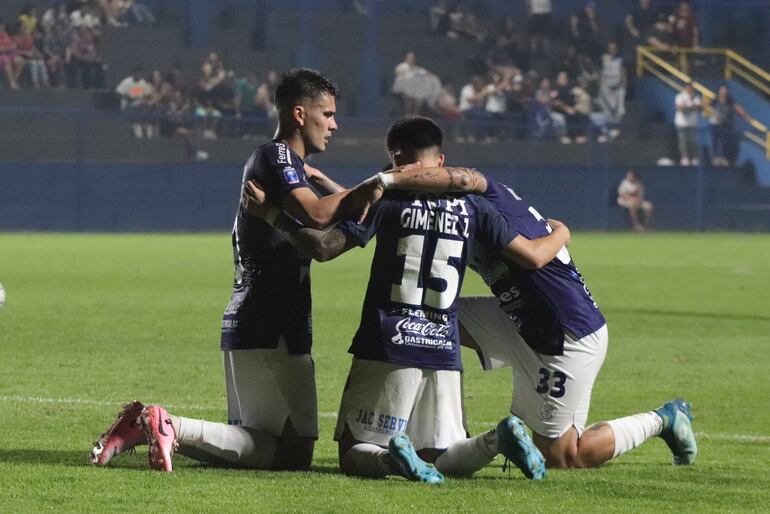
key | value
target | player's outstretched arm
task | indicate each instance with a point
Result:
(536, 253)
(320, 245)
(320, 213)
(436, 180)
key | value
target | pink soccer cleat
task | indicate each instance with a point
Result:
(121, 437)
(160, 437)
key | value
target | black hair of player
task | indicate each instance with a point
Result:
(412, 135)
(299, 83)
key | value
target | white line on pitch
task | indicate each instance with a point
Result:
(747, 438)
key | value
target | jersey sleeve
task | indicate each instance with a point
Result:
(282, 172)
(363, 232)
(493, 228)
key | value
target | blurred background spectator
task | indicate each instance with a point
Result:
(631, 197)
(688, 107)
(724, 136)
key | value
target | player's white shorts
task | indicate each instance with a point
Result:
(266, 387)
(551, 393)
(382, 400)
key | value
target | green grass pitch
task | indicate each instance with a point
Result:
(92, 321)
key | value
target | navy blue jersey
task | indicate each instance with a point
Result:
(409, 316)
(543, 303)
(271, 290)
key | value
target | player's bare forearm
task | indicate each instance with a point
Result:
(321, 245)
(536, 253)
(440, 180)
(327, 184)
(320, 179)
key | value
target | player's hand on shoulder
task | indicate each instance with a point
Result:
(313, 173)
(558, 225)
(254, 200)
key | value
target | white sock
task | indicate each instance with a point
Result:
(232, 444)
(632, 431)
(467, 456)
(368, 460)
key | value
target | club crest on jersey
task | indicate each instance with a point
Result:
(497, 271)
(290, 175)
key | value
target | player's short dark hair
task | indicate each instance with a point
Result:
(299, 83)
(412, 135)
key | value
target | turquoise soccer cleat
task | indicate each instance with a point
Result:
(515, 444)
(677, 431)
(413, 467)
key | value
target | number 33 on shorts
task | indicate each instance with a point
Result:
(551, 382)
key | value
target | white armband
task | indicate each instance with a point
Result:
(385, 180)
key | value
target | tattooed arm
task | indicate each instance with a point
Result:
(321, 245)
(439, 180)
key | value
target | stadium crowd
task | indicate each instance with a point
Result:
(543, 80)
(57, 46)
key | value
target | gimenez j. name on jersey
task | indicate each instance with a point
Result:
(444, 215)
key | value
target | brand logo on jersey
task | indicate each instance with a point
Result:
(497, 271)
(423, 328)
(290, 175)
(425, 334)
(383, 423)
(282, 154)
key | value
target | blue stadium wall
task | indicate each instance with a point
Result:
(202, 197)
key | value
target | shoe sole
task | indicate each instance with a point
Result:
(159, 457)
(102, 454)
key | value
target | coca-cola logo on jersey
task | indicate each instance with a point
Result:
(423, 328)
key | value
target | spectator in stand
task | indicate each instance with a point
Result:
(415, 86)
(12, 63)
(496, 106)
(56, 13)
(631, 197)
(87, 16)
(223, 99)
(456, 17)
(84, 60)
(586, 31)
(28, 47)
(636, 25)
(447, 106)
(612, 89)
(28, 19)
(539, 26)
(688, 105)
(161, 91)
(211, 75)
(661, 35)
(246, 106)
(724, 138)
(438, 18)
(686, 33)
(473, 97)
(54, 50)
(638, 22)
(543, 122)
(266, 95)
(178, 120)
(135, 97)
(578, 124)
(448, 110)
(115, 12)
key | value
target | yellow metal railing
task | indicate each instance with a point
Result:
(676, 76)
